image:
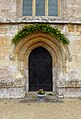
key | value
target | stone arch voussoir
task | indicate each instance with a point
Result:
(57, 50)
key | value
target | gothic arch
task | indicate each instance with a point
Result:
(57, 50)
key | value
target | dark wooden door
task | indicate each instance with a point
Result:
(40, 70)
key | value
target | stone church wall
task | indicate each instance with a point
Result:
(68, 22)
(68, 10)
(68, 84)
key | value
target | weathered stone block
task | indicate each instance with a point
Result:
(70, 28)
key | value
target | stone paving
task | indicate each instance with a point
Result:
(13, 109)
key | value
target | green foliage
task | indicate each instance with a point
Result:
(50, 94)
(41, 92)
(27, 30)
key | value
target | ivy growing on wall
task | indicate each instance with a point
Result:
(29, 29)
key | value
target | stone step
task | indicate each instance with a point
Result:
(32, 97)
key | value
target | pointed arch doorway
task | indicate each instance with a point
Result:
(40, 70)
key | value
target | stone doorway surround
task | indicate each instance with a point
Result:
(58, 51)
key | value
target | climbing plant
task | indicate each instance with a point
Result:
(29, 29)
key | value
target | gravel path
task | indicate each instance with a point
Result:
(12, 109)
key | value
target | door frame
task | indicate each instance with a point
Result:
(54, 65)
